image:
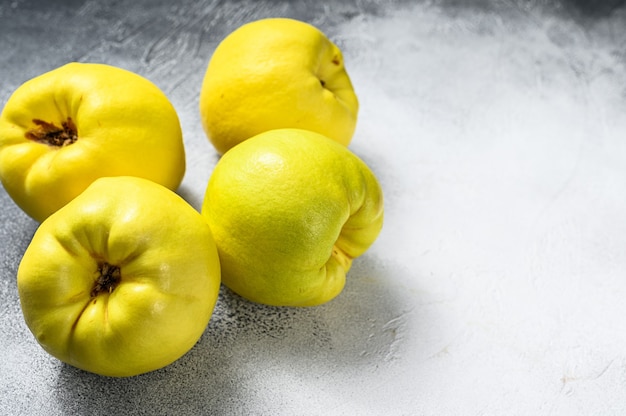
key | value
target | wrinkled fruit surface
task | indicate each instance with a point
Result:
(64, 129)
(276, 73)
(290, 210)
(122, 280)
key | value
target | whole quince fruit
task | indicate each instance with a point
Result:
(62, 130)
(122, 280)
(289, 210)
(276, 73)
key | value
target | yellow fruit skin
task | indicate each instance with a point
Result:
(125, 126)
(268, 74)
(290, 209)
(170, 277)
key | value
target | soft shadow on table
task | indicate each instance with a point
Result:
(246, 343)
(594, 8)
(576, 8)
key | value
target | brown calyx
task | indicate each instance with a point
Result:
(53, 135)
(109, 277)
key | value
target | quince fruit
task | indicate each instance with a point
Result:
(122, 280)
(289, 210)
(62, 130)
(276, 73)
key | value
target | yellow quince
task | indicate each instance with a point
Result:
(289, 210)
(62, 130)
(122, 280)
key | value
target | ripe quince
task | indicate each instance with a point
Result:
(62, 130)
(289, 210)
(276, 73)
(122, 280)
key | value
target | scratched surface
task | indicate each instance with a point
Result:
(498, 132)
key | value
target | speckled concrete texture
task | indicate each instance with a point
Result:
(496, 129)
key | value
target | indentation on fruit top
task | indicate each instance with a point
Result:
(336, 60)
(53, 135)
(322, 83)
(109, 276)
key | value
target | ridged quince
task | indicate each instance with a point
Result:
(122, 280)
(290, 210)
(276, 73)
(62, 130)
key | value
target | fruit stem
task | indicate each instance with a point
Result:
(52, 135)
(109, 277)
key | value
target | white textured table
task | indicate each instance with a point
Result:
(498, 132)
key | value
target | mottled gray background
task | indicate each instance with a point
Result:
(497, 130)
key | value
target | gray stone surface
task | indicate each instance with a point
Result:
(496, 129)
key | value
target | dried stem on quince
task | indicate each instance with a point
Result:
(109, 277)
(52, 135)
